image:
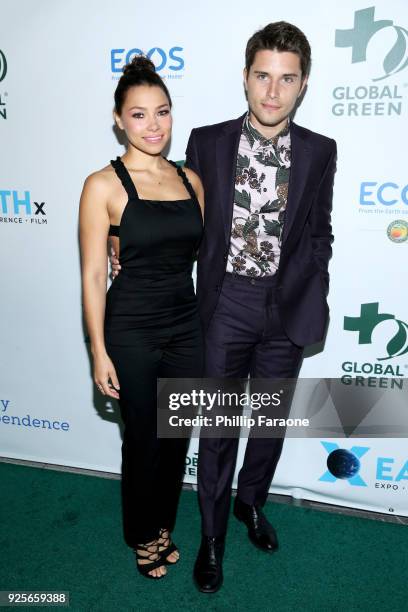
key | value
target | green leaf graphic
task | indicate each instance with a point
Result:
(250, 226)
(398, 342)
(243, 199)
(267, 159)
(282, 176)
(263, 265)
(272, 228)
(3, 65)
(271, 206)
(397, 53)
(250, 137)
(242, 162)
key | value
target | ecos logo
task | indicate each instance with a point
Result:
(365, 27)
(164, 60)
(367, 322)
(368, 100)
(345, 464)
(386, 197)
(3, 66)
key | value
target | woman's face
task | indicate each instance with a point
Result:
(146, 118)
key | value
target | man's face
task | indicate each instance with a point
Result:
(273, 84)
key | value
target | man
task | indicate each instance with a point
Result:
(262, 273)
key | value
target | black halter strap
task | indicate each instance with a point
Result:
(125, 178)
(184, 178)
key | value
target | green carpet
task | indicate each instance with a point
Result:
(62, 531)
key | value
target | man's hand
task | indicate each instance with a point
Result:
(114, 261)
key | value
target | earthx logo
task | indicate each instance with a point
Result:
(17, 207)
(386, 473)
(368, 320)
(344, 464)
(365, 28)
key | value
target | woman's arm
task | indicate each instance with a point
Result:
(93, 232)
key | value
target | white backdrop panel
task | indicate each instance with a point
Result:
(56, 127)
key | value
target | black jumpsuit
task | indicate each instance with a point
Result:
(152, 330)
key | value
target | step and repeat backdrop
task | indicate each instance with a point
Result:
(59, 65)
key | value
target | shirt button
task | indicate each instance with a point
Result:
(252, 281)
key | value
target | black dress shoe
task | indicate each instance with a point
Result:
(260, 531)
(208, 566)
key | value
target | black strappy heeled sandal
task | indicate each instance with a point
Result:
(168, 546)
(153, 557)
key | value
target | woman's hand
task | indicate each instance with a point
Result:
(105, 376)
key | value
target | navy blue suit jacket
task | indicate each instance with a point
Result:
(303, 279)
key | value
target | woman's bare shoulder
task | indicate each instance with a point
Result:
(101, 182)
(101, 178)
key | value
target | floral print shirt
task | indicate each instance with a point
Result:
(261, 192)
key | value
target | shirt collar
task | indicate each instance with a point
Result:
(255, 137)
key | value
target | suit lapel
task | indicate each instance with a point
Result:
(301, 155)
(227, 145)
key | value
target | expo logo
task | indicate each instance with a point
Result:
(160, 58)
(345, 464)
(386, 194)
(359, 37)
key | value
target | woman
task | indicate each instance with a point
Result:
(147, 325)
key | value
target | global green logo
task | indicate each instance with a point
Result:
(366, 323)
(365, 28)
(3, 66)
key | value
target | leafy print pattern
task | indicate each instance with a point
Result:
(260, 199)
